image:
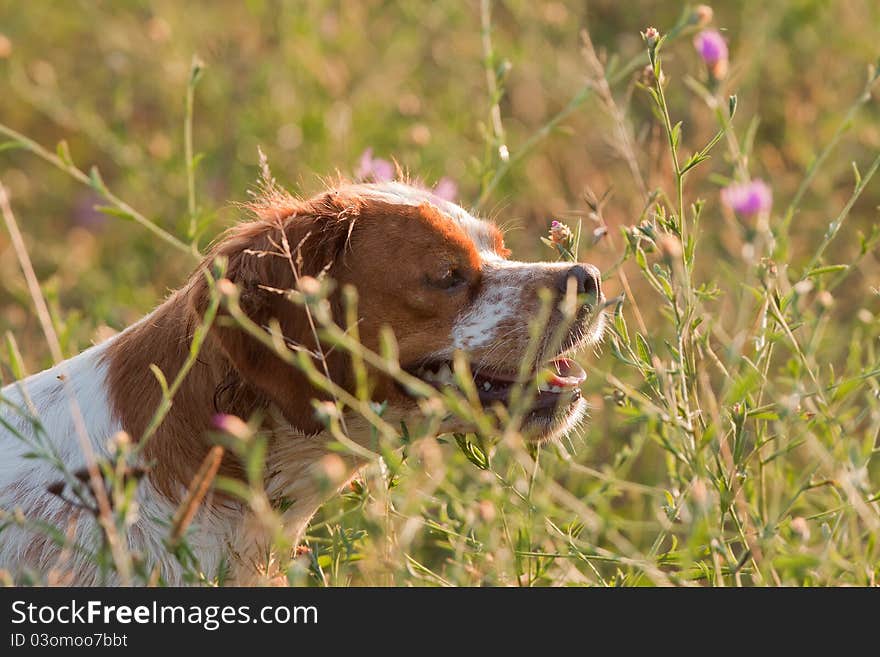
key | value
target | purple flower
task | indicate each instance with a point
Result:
(446, 189)
(374, 169)
(748, 198)
(711, 46)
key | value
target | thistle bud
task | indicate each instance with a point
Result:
(800, 527)
(651, 36)
(309, 286)
(648, 79)
(332, 467)
(702, 15)
(560, 234)
(233, 425)
(326, 411)
(226, 287)
(767, 269)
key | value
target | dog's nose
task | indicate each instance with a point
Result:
(586, 277)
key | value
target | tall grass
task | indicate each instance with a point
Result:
(736, 418)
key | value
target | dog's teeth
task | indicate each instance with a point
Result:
(444, 374)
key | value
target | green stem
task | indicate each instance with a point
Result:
(85, 179)
(834, 226)
(188, 148)
(816, 164)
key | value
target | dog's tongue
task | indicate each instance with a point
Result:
(567, 374)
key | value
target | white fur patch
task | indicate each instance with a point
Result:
(478, 327)
(36, 415)
(85, 376)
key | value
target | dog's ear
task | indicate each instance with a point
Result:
(259, 267)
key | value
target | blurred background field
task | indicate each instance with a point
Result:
(317, 83)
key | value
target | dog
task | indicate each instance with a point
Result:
(437, 275)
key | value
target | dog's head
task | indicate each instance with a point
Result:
(437, 276)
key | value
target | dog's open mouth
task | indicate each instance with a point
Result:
(557, 384)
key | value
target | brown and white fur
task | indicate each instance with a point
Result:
(438, 276)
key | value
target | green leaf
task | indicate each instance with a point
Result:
(845, 389)
(620, 323)
(676, 134)
(689, 248)
(731, 105)
(667, 288)
(618, 354)
(11, 145)
(160, 377)
(388, 348)
(96, 182)
(15, 362)
(830, 269)
(693, 161)
(255, 461)
(643, 348)
(641, 259)
(473, 452)
(113, 211)
(63, 151)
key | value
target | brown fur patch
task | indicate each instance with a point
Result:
(163, 339)
(396, 251)
(450, 235)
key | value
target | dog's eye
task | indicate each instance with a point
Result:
(452, 280)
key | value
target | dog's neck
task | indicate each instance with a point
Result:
(297, 477)
(180, 443)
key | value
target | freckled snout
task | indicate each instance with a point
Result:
(587, 280)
